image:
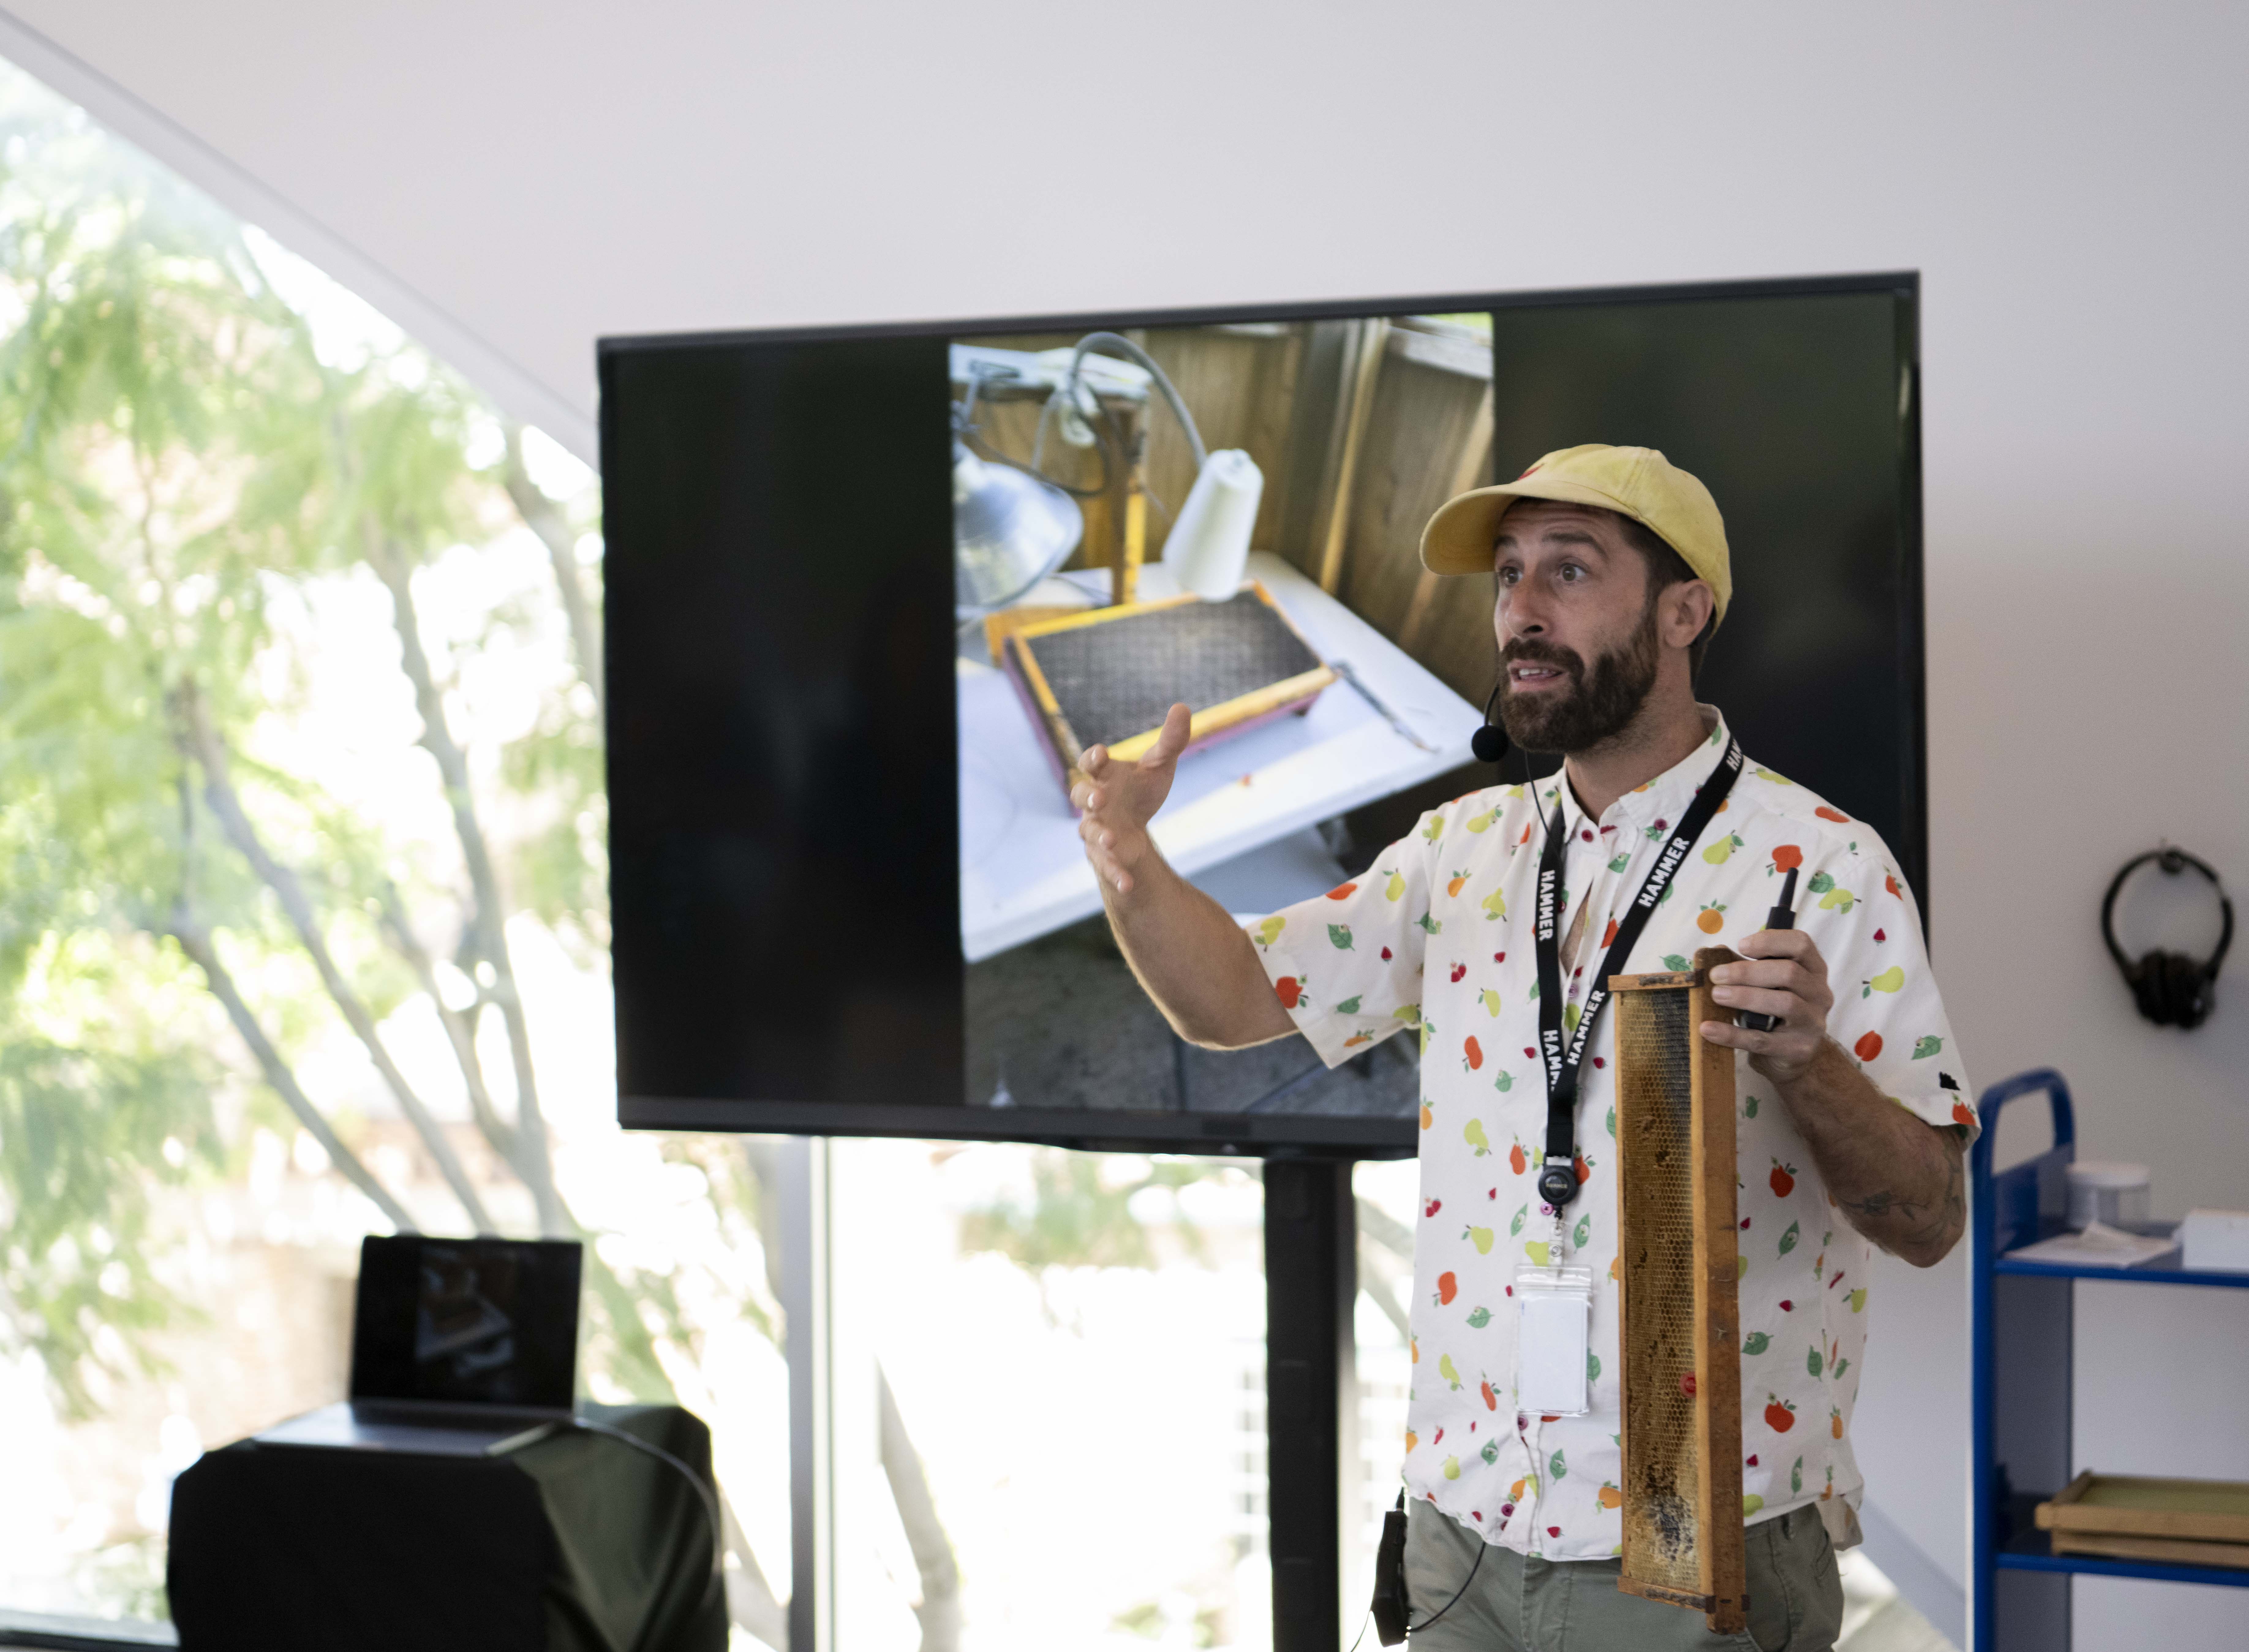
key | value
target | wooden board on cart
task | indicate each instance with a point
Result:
(2092, 1505)
(2173, 1551)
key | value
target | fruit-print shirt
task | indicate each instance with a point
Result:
(1436, 939)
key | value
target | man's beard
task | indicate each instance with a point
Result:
(1598, 705)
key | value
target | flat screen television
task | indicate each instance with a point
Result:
(868, 588)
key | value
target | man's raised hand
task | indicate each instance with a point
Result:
(1119, 798)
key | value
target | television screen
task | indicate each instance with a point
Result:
(871, 591)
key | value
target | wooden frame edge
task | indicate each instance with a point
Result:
(1241, 708)
(1718, 1312)
(1060, 734)
(1668, 1596)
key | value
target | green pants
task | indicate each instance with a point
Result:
(1516, 1603)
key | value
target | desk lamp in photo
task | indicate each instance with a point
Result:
(1011, 529)
(1208, 544)
(1107, 674)
(1014, 524)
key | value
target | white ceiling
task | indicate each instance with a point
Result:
(510, 180)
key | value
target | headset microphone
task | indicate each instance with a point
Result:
(1490, 743)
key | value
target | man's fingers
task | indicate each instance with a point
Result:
(1725, 1032)
(1775, 943)
(1780, 1053)
(1113, 852)
(1783, 974)
(1172, 738)
(1109, 870)
(1099, 855)
(1792, 944)
(1781, 1006)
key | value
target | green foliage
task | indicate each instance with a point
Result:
(1079, 1213)
(86, 1131)
(184, 465)
(1150, 1621)
(561, 868)
(127, 1579)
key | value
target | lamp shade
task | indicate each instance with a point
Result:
(1010, 530)
(1209, 543)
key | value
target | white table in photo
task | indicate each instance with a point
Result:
(1242, 810)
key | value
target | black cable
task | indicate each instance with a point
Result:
(1481, 1547)
(1117, 343)
(964, 425)
(703, 1490)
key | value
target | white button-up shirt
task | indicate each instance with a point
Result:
(1436, 937)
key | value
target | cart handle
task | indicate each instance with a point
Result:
(2008, 1089)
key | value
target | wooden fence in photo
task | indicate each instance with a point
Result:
(1362, 429)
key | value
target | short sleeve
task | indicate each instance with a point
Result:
(1887, 1012)
(1347, 965)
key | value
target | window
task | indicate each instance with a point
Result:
(301, 919)
(1072, 1345)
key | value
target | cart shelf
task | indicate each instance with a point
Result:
(2163, 1270)
(2028, 1552)
(2021, 1349)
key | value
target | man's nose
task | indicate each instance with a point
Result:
(1517, 613)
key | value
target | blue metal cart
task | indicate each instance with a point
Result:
(2021, 1380)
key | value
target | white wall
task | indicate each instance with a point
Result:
(511, 179)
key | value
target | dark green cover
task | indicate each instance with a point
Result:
(575, 1544)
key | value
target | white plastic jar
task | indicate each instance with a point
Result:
(2104, 1191)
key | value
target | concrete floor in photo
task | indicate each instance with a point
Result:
(1061, 1023)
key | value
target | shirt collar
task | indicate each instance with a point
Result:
(1663, 799)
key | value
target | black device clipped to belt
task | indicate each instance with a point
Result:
(1390, 1603)
(1391, 1608)
(1558, 1181)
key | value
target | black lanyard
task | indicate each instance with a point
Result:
(1558, 1181)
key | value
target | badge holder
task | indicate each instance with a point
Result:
(1554, 1313)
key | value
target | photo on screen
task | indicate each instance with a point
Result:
(465, 1335)
(1225, 516)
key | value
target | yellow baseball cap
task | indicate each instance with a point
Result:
(1637, 482)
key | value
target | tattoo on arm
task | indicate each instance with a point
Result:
(1914, 1224)
(1898, 1178)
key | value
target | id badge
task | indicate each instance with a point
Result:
(1554, 1313)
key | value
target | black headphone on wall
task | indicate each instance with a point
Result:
(2170, 988)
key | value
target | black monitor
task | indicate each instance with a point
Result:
(846, 897)
(466, 1322)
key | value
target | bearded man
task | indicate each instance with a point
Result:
(1611, 574)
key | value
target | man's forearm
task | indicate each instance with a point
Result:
(1897, 1177)
(1199, 969)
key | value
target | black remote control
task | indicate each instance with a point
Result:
(1781, 917)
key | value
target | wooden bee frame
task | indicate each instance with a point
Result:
(1248, 664)
(1679, 1320)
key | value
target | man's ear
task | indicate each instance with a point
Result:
(1684, 610)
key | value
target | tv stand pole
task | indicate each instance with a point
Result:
(1312, 1411)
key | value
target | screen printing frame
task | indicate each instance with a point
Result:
(1268, 1133)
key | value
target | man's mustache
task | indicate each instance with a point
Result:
(1529, 651)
